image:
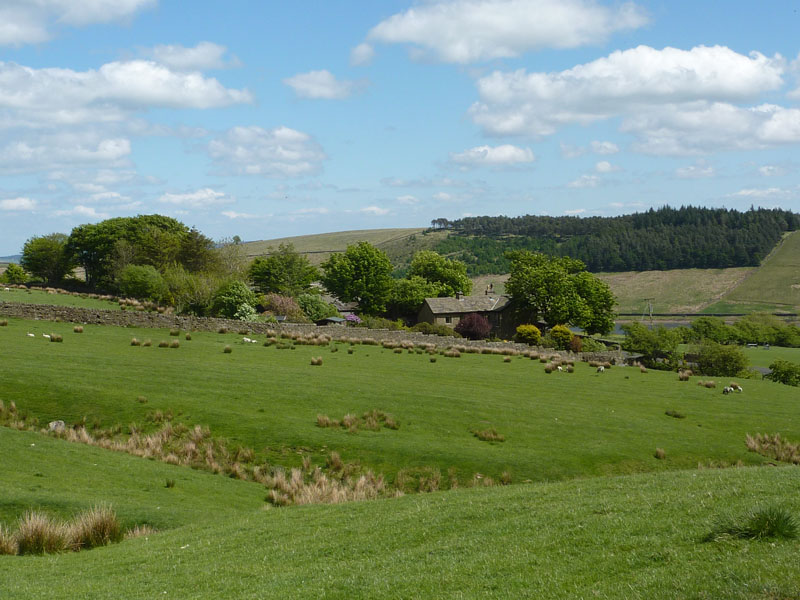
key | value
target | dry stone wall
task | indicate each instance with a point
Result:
(154, 320)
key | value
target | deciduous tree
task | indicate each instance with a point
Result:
(283, 272)
(450, 275)
(361, 273)
(46, 257)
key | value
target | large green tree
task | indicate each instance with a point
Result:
(46, 257)
(283, 272)
(409, 294)
(559, 291)
(449, 275)
(361, 273)
(654, 344)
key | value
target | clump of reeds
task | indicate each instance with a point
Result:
(4, 323)
(707, 384)
(147, 343)
(760, 523)
(489, 435)
(174, 344)
(660, 454)
(55, 337)
(684, 375)
(774, 446)
(371, 420)
(188, 337)
(163, 344)
(316, 361)
(135, 342)
(37, 533)
(222, 330)
(97, 526)
(77, 329)
(175, 332)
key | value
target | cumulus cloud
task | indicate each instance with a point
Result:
(771, 170)
(407, 199)
(80, 210)
(493, 156)
(51, 96)
(204, 56)
(322, 85)
(28, 21)
(197, 199)
(237, 215)
(604, 166)
(18, 204)
(630, 81)
(575, 211)
(362, 54)
(443, 196)
(585, 181)
(376, 211)
(464, 31)
(62, 150)
(698, 171)
(604, 147)
(772, 192)
(280, 152)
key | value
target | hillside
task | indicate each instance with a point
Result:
(319, 247)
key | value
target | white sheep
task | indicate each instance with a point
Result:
(737, 388)
(601, 369)
(727, 390)
(31, 335)
(560, 369)
(7, 289)
(44, 335)
(246, 340)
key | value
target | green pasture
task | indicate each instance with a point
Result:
(557, 426)
(761, 357)
(634, 536)
(34, 296)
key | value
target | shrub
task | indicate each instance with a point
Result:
(37, 534)
(474, 326)
(352, 319)
(576, 344)
(785, 372)
(230, 298)
(589, 344)
(283, 306)
(315, 308)
(14, 274)
(761, 523)
(561, 336)
(96, 527)
(141, 281)
(719, 360)
(371, 322)
(529, 334)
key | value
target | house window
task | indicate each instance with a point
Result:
(448, 320)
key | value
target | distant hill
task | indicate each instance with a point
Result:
(10, 259)
(318, 247)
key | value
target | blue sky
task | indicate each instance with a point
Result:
(270, 119)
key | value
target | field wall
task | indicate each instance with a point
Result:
(131, 318)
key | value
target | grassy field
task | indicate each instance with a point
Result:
(759, 357)
(637, 536)
(556, 426)
(776, 283)
(318, 247)
(34, 296)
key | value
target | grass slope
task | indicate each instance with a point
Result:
(556, 426)
(318, 247)
(34, 296)
(617, 537)
(774, 285)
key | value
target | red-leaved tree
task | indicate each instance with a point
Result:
(474, 326)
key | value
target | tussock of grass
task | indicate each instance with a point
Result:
(147, 343)
(684, 375)
(315, 487)
(371, 420)
(175, 332)
(227, 349)
(660, 454)
(8, 543)
(135, 342)
(163, 344)
(707, 384)
(188, 337)
(316, 361)
(3, 323)
(489, 435)
(77, 329)
(762, 523)
(96, 527)
(174, 344)
(37, 533)
(775, 447)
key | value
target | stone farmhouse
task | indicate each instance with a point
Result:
(449, 311)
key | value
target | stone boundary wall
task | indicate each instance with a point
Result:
(153, 320)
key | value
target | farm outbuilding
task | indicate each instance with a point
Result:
(449, 311)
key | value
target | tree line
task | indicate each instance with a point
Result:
(662, 239)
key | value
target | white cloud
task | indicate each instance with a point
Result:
(407, 199)
(575, 211)
(585, 181)
(322, 85)
(237, 215)
(698, 171)
(18, 204)
(772, 192)
(28, 21)
(82, 211)
(494, 156)
(202, 57)
(374, 210)
(604, 166)
(443, 196)
(362, 55)
(604, 147)
(62, 150)
(771, 171)
(197, 199)
(280, 152)
(464, 31)
(51, 96)
(636, 81)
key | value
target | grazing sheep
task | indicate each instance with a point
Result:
(8, 289)
(246, 340)
(44, 335)
(31, 335)
(56, 426)
(735, 386)
(727, 390)
(601, 369)
(559, 368)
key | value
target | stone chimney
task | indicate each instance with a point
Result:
(459, 295)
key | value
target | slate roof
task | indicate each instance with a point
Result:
(467, 304)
